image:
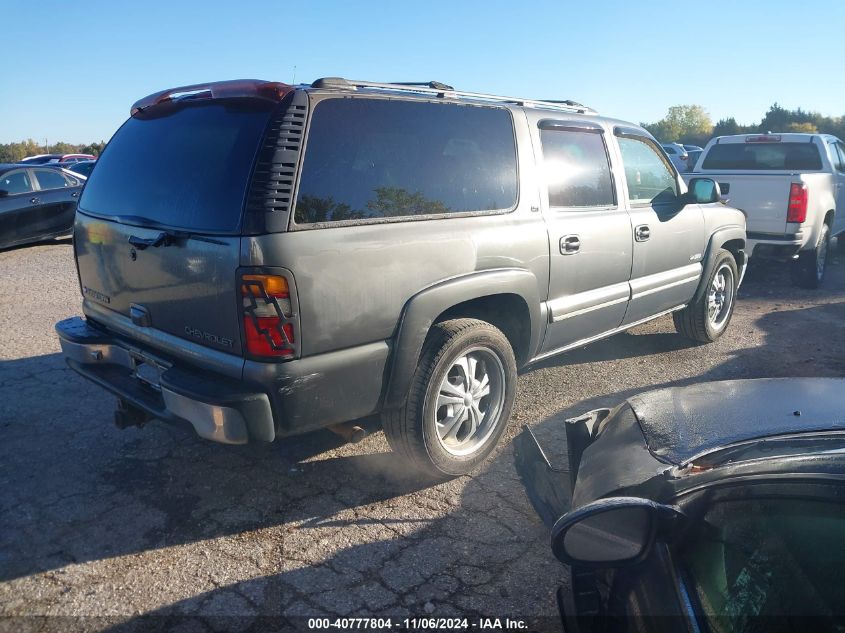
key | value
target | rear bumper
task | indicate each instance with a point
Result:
(218, 408)
(257, 400)
(770, 246)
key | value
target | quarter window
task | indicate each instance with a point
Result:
(379, 158)
(576, 169)
(15, 182)
(837, 152)
(647, 173)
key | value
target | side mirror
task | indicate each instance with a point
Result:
(611, 532)
(3, 193)
(704, 191)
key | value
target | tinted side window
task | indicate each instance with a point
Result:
(49, 179)
(649, 177)
(15, 182)
(576, 169)
(746, 556)
(375, 158)
(669, 149)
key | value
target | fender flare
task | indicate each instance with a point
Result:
(424, 307)
(717, 240)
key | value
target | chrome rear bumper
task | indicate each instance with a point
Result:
(217, 407)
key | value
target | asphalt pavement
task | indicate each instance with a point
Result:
(102, 526)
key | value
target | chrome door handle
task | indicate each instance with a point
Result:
(35, 200)
(570, 244)
(642, 233)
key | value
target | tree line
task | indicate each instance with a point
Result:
(13, 152)
(691, 124)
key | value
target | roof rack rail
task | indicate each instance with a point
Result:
(427, 84)
(442, 90)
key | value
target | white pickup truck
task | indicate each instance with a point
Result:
(792, 190)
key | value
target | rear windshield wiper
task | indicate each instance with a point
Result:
(166, 238)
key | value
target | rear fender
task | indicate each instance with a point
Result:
(423, 308)
(717, 241)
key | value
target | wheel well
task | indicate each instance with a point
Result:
(734, 246)
(828, 218)
(508, 312)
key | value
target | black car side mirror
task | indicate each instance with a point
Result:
(703, 191)
(611, 532)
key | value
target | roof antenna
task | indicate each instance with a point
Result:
(293, 83)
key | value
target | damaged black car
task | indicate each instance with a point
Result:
(714, 507)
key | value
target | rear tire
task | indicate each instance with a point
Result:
(808, 271)
(707, 318)
(460, 399)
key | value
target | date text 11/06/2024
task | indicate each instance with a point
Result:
(375, 624)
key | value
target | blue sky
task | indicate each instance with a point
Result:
(73, 68)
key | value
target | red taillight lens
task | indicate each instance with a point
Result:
(797, 209)
(263, 337)
(267, 313)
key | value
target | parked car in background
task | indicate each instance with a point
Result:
(83, 167)
(390, 249)
(713, 507)
(792, 189)
(37, 202)
(692, 148)
(63, 159)
(678, 155)
(692, 158)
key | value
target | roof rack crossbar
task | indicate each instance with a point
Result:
(427, 88)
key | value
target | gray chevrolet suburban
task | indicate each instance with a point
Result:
(260, 260)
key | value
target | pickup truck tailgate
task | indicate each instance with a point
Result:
(763, 197)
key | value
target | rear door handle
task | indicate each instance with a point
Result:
(35, 200)
(570, 244)
(75, 194)
(642, 233)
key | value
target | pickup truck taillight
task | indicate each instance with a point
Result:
(797, 209)
(267, 311)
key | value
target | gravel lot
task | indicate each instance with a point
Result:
(100, 522)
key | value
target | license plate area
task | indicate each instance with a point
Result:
(148, 369)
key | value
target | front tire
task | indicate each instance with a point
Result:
(809, 270)
(460, 399)
(707, 318)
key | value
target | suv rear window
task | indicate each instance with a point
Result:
(182, 166)
(379, 158)
(762, 156)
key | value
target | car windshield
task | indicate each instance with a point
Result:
(763, 156)
(755, 559)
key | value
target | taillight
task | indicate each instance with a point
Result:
(797, 209)
(269, 328)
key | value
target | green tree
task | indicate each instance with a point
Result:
(806, 127)
(13, 152)
(682, 123)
